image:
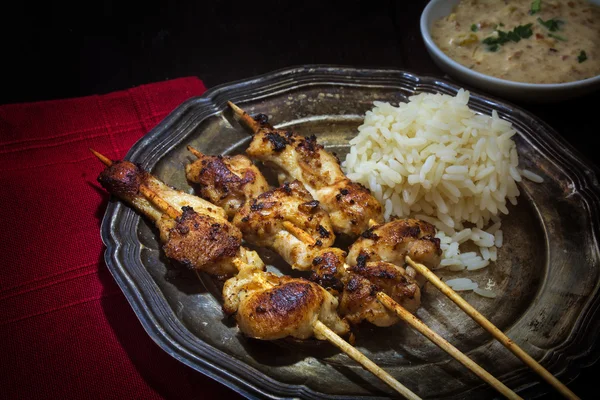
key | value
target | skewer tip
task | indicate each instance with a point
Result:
(244, 117)
(235, 108)
(105, 160)
(195, 152)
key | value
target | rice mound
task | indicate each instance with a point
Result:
(435, 159)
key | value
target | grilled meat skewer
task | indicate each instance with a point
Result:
(179, 230)
(392, 242)
(349, 204)
(281, 217)
(266, 306)
(209, 243)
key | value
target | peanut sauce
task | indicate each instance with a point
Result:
(523, 40)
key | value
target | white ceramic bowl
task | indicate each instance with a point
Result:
(518, 91)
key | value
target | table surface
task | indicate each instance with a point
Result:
(70, 50)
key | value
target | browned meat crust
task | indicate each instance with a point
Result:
(393, 241)
(358, 287)
(123, 179)
(276, 310)
(359, 302)
(272, 307)
(226, 181)
(392, 280)
(198, 240)
(328, 270)
(350, 205)
(262, 217)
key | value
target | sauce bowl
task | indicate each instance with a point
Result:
(518, 91)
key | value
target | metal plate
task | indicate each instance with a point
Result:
(547, 274)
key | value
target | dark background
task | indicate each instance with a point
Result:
(53, 51)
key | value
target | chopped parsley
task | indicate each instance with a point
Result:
(536, 6)
(582, 56)
(518, 33)
(557, 37)
(474, 28)
(552, 25)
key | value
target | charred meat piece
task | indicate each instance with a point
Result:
(393, 241)
(350, 205)
(261, 221)
(268, 307)
(225, 181)
(357, 287)
(393, 281)
(328, 270)
(359, 302)
(199, 242)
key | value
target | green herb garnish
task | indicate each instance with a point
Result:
(557, 37)
(552, 24)
(536, 6)
(520, 32)
(582, 56)
(474, 28)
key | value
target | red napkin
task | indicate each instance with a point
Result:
(66, 330)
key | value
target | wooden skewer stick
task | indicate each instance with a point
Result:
(245, 118)
(162, 205)
(105, 160)
(360, 358)
(442, 343)
(491, 328)
(413, 321)
(300, 234)
(195, 152)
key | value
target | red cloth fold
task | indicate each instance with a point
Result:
(66, 330)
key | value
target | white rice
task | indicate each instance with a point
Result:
(532, 176)
(461, 284)
(435, 159)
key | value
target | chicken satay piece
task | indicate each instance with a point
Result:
(349, 204)
(358, 287)
(269, 307)
(201, 241)
(393, 241)
(226, 181)
(263, 221)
